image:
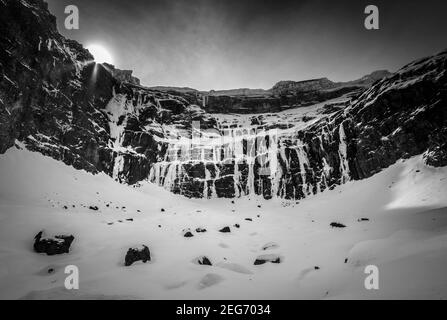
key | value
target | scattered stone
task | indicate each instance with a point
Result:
(188, 234)
(110, 223)
(346, 260)
(258, 215)
(138, 211)
(135, 254)
(273, 258)
(204, 261)
(130, 219)
(259, 206)
(337, 225)
(200, 230)
(225, 230)
(51, 270)
(232, 201)
(317, 268)
(162, 210)
(237, 225)
(65, 207)
(52, 246)
(159, 225)
(363, 219)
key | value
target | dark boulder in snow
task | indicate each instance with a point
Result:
(204, 261)
(188, 234)
(225, 230)
(52, 246)
(200, 230)
(273, 258)
(337, 225)
(94, 208)
(135, 254)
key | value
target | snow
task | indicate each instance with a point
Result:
(406, 237)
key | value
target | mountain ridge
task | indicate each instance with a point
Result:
(366, 80)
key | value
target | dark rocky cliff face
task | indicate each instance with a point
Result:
(290, 156)
(55, 100)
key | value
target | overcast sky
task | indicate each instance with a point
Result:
(222, 44)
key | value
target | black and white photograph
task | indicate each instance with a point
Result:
(217, 150)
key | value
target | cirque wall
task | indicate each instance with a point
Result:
(55, 100)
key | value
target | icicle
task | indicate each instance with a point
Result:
(343, 153)
(207, 178)
(275, 172)
(302, 158)
(118, 167)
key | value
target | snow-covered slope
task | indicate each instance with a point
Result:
(406, 237)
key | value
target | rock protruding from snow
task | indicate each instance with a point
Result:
(225, 230)
(204, 261)
(273, 258)
(51, 246)
(337, 225)
(135, 254)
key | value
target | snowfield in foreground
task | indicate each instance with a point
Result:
(406, 237)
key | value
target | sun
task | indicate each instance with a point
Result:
(100, 53)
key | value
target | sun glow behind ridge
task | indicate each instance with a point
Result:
(100, 53)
